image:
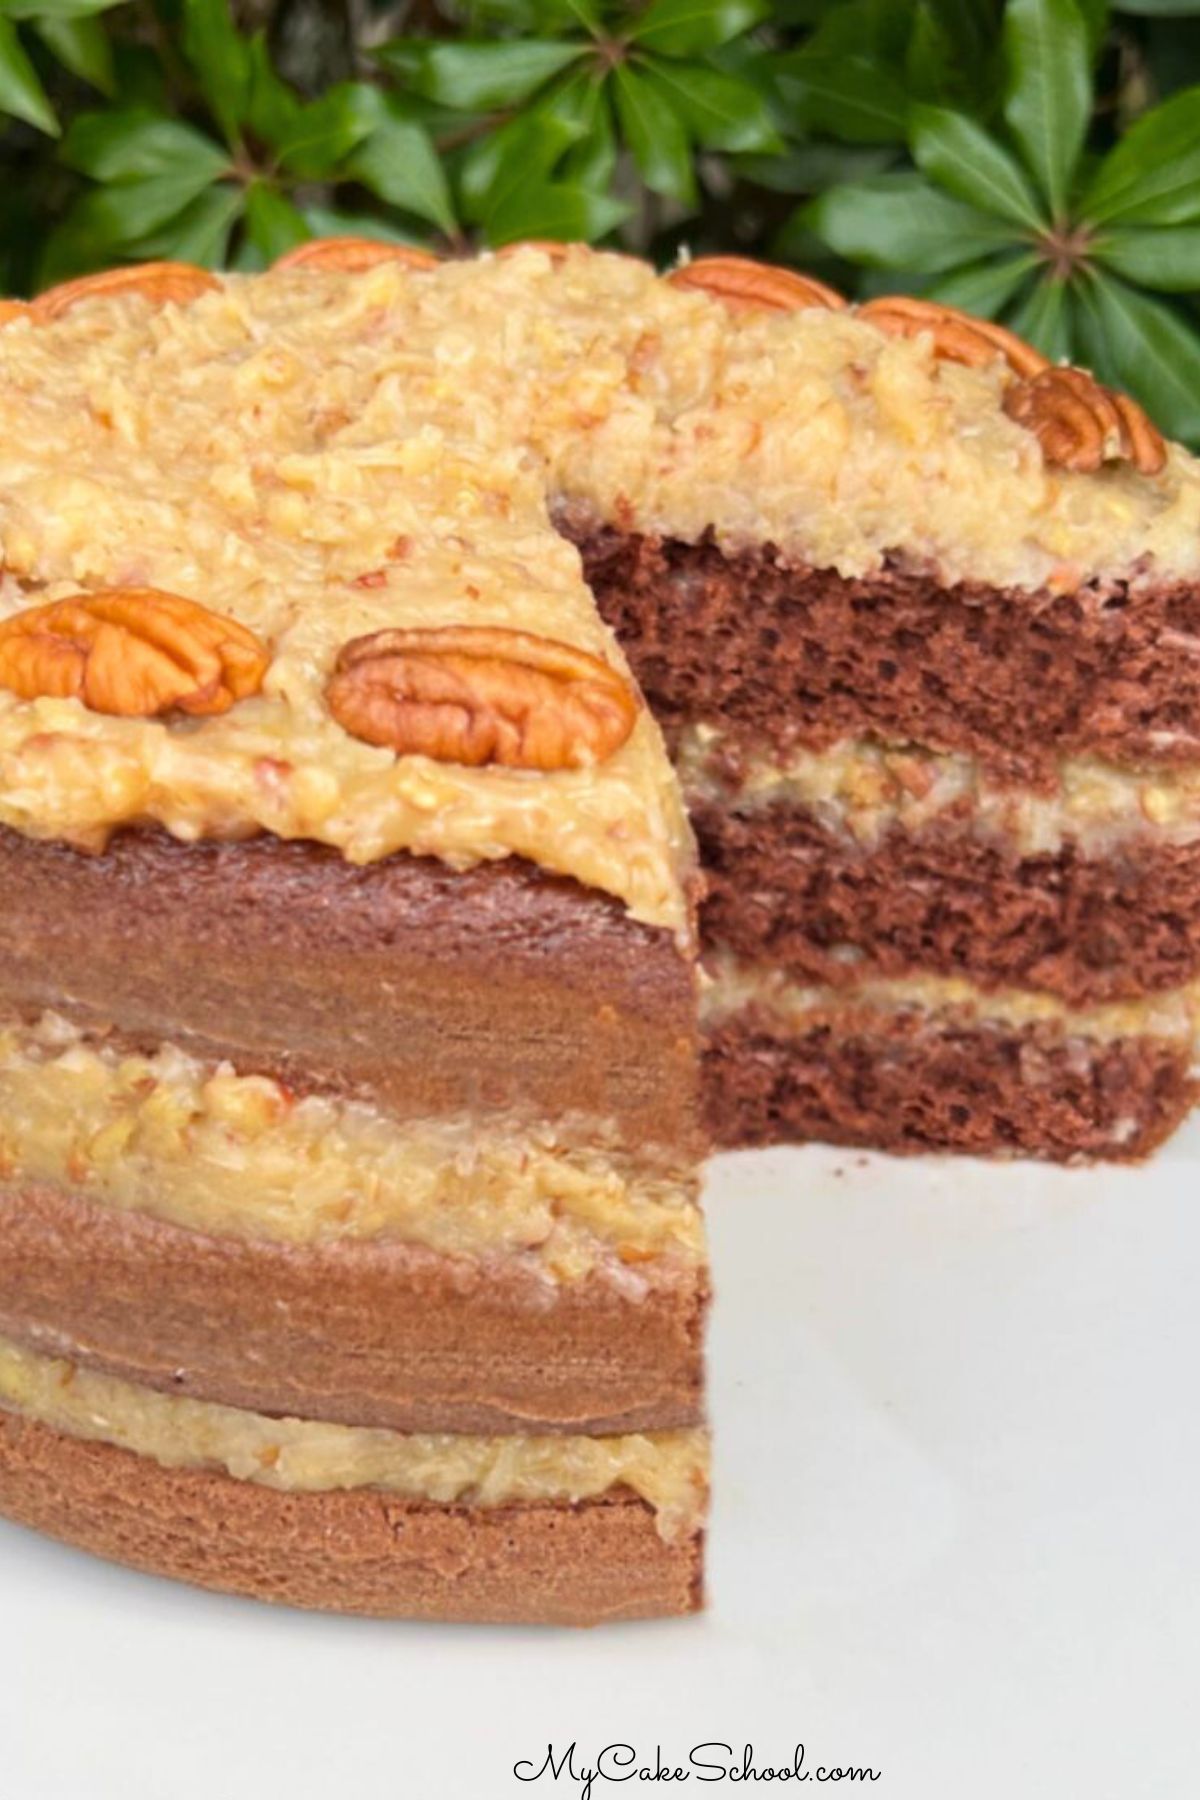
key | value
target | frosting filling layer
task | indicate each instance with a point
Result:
(865, 788)
(669, 1469)
(216, 1151)
(732, 986)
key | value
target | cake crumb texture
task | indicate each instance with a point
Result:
(911, 1082)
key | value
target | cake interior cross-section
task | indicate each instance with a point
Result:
(365, 1007)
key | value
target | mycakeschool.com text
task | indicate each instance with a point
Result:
(587, 1774)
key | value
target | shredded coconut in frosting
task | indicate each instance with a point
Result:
(238, 1155)
(324, 455)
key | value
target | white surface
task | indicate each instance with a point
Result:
(955, 1537)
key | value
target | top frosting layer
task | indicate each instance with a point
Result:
(661, 411)
(323, 455)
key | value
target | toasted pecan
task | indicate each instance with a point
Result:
(136, 652)
(747, 286)
(1143, 444)
(482, 694)
(353, 254)
(1081, 424)
(957, 336)
(159, 282)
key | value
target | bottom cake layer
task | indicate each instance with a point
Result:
(358, 1552)
(909, 1079)
(349, 1519)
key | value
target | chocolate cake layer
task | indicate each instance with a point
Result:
(784, 889)
(907, 1083)
(496, 988)
(782, 656)
(356, 1552)
(357, 1333)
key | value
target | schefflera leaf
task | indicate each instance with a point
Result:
(1016, 221)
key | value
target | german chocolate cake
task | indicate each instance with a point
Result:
(350, 1011)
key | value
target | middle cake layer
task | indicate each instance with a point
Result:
(951, 896)
(385, 1146)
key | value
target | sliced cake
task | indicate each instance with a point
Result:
(350, 1252)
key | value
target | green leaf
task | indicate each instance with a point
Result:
(1045, 318)
(247, 258)
(1167, 259)
(521, 153)
(128, 210)
(900, 221)
(323, 133)
(1139, 344)
(75, 245)
(1152, 177)
(271, 107)
(1095, 19)
(931, 69)
(560, 210)
(983, 288)
(581, 12)
(849, 97)
(721, 111)
(811, 168)
(55, 9)
(200, 233)
(968, 28)
(879, 30)
(656, 137)
(328, 221)
(1162, 9)
(21, 93)
(400, 165)
(141, 79)
(962, 158)
(221, 60)
(1048, 90)
(134, 143)
(83, 46)
(273, 224)
(582, 103)
(478, 77)
(690, 27)
(592, 162)
(535, 18)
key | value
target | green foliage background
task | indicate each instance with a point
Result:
(1033, 160)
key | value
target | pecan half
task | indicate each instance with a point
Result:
(159, 282)
(475, 695)
(747, 286)
(1141, 441)
(136, 652)
(957, 336)
(352, 254)
(1080, 424)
